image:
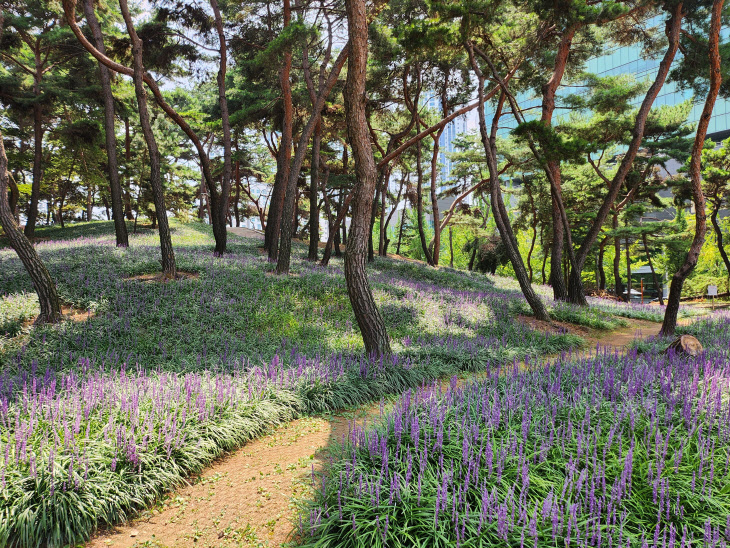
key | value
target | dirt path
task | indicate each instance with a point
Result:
(248, 499)
(246, 233)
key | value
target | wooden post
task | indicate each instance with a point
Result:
(642, 290)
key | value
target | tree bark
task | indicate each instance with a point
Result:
(400, 229)
(498, 209)
(37, 153)
(115, 187)
(419, 205)
(42, 281)
(283, 160)
(219, 223)
(366, 312)
(549, 90)
(290, 200)
(673, 31)
(675, 288)
(237, 199)
(601, 272)
(451, 251)
(719, 237)
(628, 271)
(89, 202)
(434, 197)
(168, 255)
(534, 233)
(383, 207)
(313, 254)
(334, 235)
(384, 232)
(69, 8)
(618, 284)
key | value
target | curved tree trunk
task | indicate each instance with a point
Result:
(366, 312)
(69, 8)
(498, 209)
(168, 256)
(673, 31)
(115, 187)
(383, 207)
(42, 281)
(549, 90)
(675, 289)
(333, 240)
(719, 237)
(289, 210)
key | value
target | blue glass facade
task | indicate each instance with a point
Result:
(628, 60)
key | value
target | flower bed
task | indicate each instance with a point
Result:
(610, 451)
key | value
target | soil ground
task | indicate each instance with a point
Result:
(248, 498)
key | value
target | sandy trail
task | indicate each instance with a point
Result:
(248, 498)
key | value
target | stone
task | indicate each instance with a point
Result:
(133, 533)
(687, 345)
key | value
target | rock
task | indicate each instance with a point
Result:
(133, 533)
(686, 344)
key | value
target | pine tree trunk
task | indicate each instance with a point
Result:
(128, 155)
(673, 30)
(289, 215)
(601, 271)
(334, 236)
(475, 248)
(419, 205)
(434, 199)
(236, 210)
(90, 202)
(219, 228)
(383, 207)
(675, 289)
(37, 161)
(373, 215)
(283, 160)
(14, 197)
(557, 281)
(400, 229)
(366, 312)
(618, 284)
(499, 211)
(628, 271)
(719, 237)
(42, 282)
(169, 269)
(451, 250)
(313, 254)
(115, 187)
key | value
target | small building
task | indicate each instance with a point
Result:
(643, 274)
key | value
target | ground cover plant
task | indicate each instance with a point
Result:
(629, 450)
(97, 418)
